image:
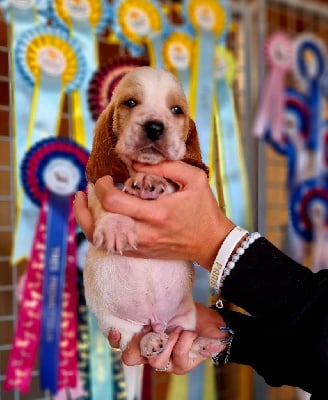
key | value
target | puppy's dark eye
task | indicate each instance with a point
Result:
(130, 103)
(177, 110)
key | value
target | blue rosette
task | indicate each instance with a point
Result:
(296, 108)
(39, 156)
(303, 198)
(310, 63)
(32, 41)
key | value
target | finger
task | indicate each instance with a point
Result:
(180, 357)
(177, 171)
(160, 362)
(114, 338)
(116, 201)
(131, 355)
(83, 215)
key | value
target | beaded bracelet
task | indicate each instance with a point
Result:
(224, 253)
(244, 245)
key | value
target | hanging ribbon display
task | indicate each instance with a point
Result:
(177, 56)
(234, 179)
(279, 57)
(84, 21)
(104, 81)
(52, 171)
(209, 21)
(140, 23)
(52, 63)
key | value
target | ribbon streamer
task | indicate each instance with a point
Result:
(234, 178)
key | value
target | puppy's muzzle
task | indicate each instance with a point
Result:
(154, 130)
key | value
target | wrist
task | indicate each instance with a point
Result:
(209, 250)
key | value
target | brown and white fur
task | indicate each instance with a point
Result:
(146, 121)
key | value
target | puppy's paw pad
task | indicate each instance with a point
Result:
(147, 186)
(153, 344)
(115, 233)
(207, 347)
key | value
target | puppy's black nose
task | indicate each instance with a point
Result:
(154, 130)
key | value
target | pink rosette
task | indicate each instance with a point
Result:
(279, 58)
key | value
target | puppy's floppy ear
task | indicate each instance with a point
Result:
(103, 159)
(193, 154)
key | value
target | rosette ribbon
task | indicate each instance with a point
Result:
(53, 64)
(84, 20)
(279, 57)
(208, 19)
(233, 174)
(310, 66)
(293, 146)
(177, 56)
(52, 171)
(309, 216)
(20, 16)
(140, 23)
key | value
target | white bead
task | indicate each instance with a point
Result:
(245, 244)
(235, 258)
(240, 251)
(230, 264)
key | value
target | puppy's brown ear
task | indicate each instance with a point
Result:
(103, 159)
(193, 154)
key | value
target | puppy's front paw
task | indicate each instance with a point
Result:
(115, 233)
(207, 347)
(153, 343)
(148, 186)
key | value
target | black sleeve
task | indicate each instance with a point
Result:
(285, 339)
(265, 279)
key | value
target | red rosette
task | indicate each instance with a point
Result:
(104, 81)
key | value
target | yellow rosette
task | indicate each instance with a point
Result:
(209, 21)
(71, 12)
(140, 23)
(84, 19)
(52, 63)
(208, 15)
(177, 56)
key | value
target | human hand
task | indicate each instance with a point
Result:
(176, 354)
(187, 224)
